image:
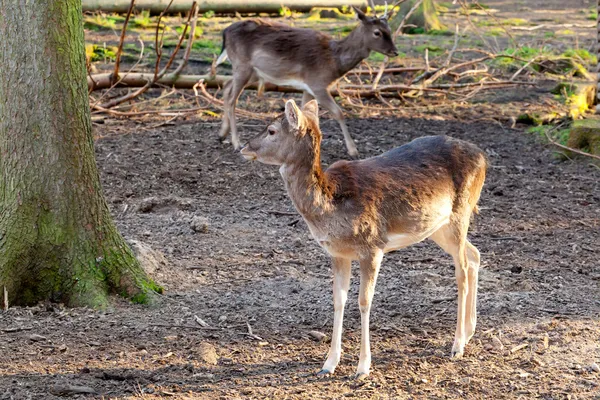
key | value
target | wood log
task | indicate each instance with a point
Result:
(218, 6)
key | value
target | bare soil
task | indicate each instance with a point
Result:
(256, 265)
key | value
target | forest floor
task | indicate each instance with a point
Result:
(238, 257)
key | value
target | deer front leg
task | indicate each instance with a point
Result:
(341, 282)
(369, 269)
(324, 98)
(306, 97)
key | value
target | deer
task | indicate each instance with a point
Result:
(304, 59)
(359, 210)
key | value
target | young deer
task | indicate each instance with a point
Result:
(305, 59)
(359, 210)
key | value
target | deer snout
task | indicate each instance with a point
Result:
(247, 153)
(393, 53)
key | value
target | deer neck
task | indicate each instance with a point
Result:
(350, 51)
(307, 186)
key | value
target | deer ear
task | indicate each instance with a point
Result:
(293, 114)
(312, 108)
(361, 15)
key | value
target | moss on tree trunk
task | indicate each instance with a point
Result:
(57, 239)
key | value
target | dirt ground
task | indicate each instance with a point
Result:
(239, 259)
(256, 264)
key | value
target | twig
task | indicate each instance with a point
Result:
(195, 327)
(190, 42)
(143, 89)
(523, 67)
(275, 212)
(121, 41)
(5, 304)
(158, 46)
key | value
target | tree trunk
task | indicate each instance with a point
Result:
(425, 16)
(598, 58)
(57, 239)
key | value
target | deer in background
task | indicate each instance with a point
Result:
(359, 210)
(305, 59)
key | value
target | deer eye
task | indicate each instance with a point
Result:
(271, 130)
(377, 33)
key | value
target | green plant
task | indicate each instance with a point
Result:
(209, 14)
(96, 52)
(197, 33)
(142, 20)
(285, 12)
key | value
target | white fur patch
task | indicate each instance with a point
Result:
(292, 82)
(222, 57)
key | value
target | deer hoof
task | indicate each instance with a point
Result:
(324, 372)
(360, 376)
(456, 354)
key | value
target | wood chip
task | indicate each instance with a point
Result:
(519, 347)
(36, 338)
(62, 390)
(317, 336)
(200, 321)
(546, 342)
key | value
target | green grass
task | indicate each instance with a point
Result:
(561, 136)
(525, 53)
(503, 22)
(433, 50)
(376, 57)
(99, 22)
(581, 54)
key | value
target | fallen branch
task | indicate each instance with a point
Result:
(217, 6)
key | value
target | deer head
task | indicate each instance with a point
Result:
(376, 34)
(295, 134)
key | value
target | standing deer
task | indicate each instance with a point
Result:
(359, 210)
(305, 59)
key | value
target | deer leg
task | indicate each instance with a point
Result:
(240, 78)
(369, 269)
(306, 97)
(224, 131)
(453, 240)
(473, 278)
(341, 282)
(324, 98)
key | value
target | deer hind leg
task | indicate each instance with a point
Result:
(241, 77)
(473, 279)
(452, 239)
(369, 269)
(341, 282)
(324, 98)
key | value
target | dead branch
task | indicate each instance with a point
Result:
(149, 84)
(121, 41)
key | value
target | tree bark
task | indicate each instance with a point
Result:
(57, 239)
